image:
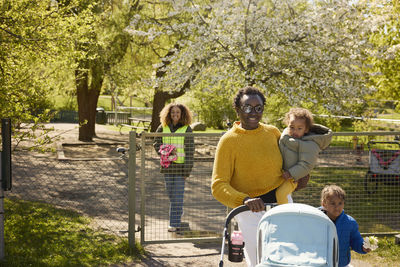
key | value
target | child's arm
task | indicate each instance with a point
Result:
(366, 250)
(356, 240)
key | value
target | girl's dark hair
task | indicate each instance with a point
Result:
(248, 90)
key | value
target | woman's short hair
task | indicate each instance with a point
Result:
(248, 90)
(165, 114)
(332, 190)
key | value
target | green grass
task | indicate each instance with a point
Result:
(210, 130)
(392, 115)
(387, 254)
(70, 103)
(38, 234)
(358, 204)
(358, 201)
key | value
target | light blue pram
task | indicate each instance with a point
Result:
(296, 235)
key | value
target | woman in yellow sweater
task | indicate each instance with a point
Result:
(248, 166)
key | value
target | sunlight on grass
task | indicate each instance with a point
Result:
(387, 253)
(38, 234)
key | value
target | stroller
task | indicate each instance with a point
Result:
(292, 235)
(384, 165)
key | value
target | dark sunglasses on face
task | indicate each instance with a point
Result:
(248, 108)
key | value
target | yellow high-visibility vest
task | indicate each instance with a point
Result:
(177, 141)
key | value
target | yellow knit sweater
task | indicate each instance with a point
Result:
(247, 163)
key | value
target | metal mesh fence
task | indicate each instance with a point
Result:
(202, 214)
(371, 199)
(100, 188)
(94, 188)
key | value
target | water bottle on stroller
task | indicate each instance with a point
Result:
(235, 249)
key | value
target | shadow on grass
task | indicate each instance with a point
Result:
(38, 234)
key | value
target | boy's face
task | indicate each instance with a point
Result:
(333, 206)
(297, 127)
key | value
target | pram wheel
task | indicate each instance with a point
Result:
(371, 183)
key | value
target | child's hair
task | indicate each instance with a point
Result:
(332, 190)
(300, 113)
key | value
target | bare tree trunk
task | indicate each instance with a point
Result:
(159, 100)
(88, 95)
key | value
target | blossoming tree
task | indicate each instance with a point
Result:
(302, 51)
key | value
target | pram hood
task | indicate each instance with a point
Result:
(296, 235)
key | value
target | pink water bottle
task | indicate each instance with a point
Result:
(236, 245)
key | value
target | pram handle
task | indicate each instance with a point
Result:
(382, 142)
(243, 208)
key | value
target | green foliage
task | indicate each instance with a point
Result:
(30, 30)
(387, 253)
(214, 104)
(384, 62)
(275, 108)
(312, 54)
(38, 234)
(388, 249)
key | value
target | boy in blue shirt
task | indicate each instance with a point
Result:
(332, 201)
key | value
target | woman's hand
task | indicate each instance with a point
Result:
(255, 204)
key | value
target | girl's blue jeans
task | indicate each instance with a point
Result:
(175, 186)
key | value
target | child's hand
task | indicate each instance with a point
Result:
(370, 243)
(366, 250)
(286, 175)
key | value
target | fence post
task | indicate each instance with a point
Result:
(132, 189)
(5, 175)
(2, 249)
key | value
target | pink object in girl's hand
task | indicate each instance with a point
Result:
(168, 154)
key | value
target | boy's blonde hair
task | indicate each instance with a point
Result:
(300, 113)
(332, 190)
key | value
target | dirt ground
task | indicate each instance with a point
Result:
(168, 254)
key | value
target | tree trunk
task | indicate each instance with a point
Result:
(159, 100)
(88, 95)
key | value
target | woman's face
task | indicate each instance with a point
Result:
(253, 105)
(175, 115)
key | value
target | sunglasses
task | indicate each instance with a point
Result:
(248, 108)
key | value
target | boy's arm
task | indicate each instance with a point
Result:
(356, 240)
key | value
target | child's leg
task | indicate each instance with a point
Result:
(284, 190)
